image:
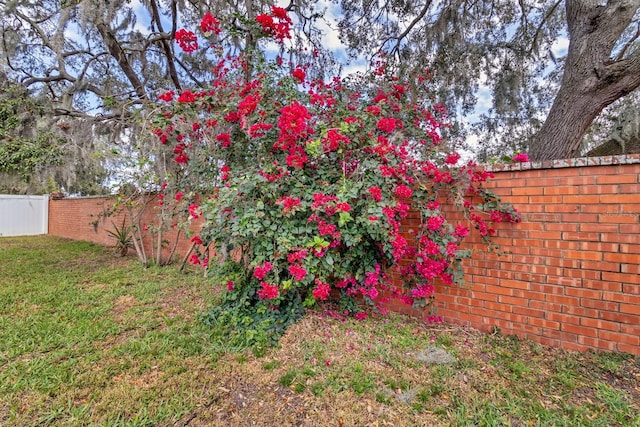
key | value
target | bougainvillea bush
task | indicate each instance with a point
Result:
(303, 184)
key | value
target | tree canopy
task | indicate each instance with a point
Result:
(104, 60)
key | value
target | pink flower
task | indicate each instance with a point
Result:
(210, 24)
(361, 315)
(461, 231)
(179, 196)
(521, 158)
(321, 291)
(343, 207)
(376, 193)
(186, 96)
(193, 211)
(403, 191)
(261, 271)
(297, 272)
(296, 256)
(224, 139)
(452, 159)
(196, 240)
(387, 124)
(194, 259)
(268, 291)
(187, 40)
(435, 222)
(229, 285)
(167, 96)
(182, 158)
(407, 299)
(299, 74)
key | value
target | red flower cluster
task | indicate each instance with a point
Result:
(187, 40)
(268, 291)
(278, 24)
(297, 272)
(321, 291)
(210, 24)
(261, 271)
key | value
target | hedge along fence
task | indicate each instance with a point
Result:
(570, 275)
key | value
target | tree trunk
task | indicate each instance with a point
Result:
(592, 79)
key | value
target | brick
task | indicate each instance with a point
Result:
(619, 337)
(618, 238)
(582, 274)
(584, 293)
(562, 208)
(582, 199)
(584, 255)
(602, 285)
(632, 208)
(528, 295)
(614, 316)
(630, 309)
(579, 330)
(600, 305)
(564, 263)
(597, 343)
(618, 219)
(630, 229)
(631, 349)
(580, 218)
(544, 323)
(560, 190)
(547, 199)
(630, 268)
(617, 179)
(600, 266)
(571, 346)
(527, 191)
(621, 277)
(542, 217)
(599, 246)
(599, 189)
(628, 288)
(547, 306)
(600, 228)
(561, 299)
(593, 237)
(618, 198)
(561, 244)
(563, 226)
(498, 290)
(580, 311)
(513, 300)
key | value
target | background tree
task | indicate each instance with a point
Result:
(509, 47)
(41, 153)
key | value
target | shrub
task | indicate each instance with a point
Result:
(303, 184)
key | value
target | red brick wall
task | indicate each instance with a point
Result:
(571, 273)
(84, 219)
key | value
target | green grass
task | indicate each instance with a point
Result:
(89, 339)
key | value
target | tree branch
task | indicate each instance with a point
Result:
(119, 55)
(155, 16)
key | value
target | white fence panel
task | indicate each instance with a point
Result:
(23, 215)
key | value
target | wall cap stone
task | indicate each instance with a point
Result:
(624, 159)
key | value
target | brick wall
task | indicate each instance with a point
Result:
(84, 219)
(570, 276)
(571, 273)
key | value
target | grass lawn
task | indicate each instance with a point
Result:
(90, 339)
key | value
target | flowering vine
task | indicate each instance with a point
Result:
(304, 185)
